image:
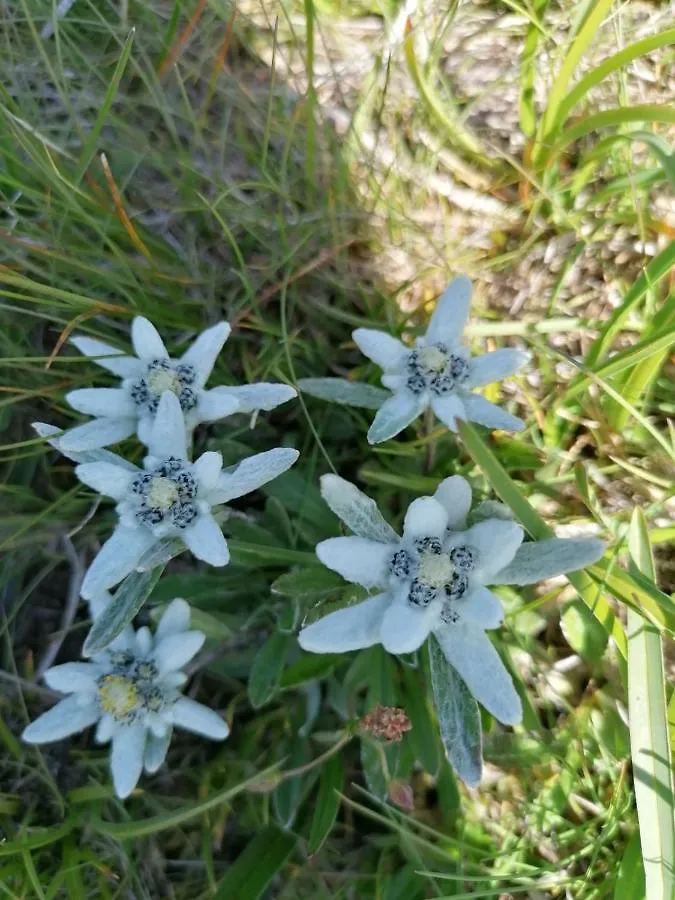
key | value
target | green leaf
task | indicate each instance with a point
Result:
(423, 735)
(346, 393)
(125, 603)
(327, 802)
(263, 682)
(583, 632)
(310, 667)
(650, 748)
(630, 879)
(253, 870)
(458, 717)
(308, 584)
(246, 554)
(356, 509)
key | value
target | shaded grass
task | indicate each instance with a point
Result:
(227, 193)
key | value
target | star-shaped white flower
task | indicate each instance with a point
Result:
(170, 497)
(131, 408)
(433, 579)
(438, 372)
(132, 692)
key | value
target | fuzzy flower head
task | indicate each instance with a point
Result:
(131, 691)
(438, 371)
(132, 407)
(434, 579)
(170, 497)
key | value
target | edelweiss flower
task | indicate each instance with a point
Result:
(439, 372)
(170, 497)
(434, 579)
(119, 412)
(132, 691)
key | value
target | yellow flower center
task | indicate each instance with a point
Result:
(117, 695)
(160, 380)
(435, 569)
(433, 359)
(162, 493)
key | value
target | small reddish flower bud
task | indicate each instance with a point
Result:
(386, 722)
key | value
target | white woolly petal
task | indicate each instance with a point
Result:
(494, 366)
(394, 382)
(106, 478)
(72, 677)
(105, 729)
(174, 680)
(112, 403)
(252, 473)
(123, 366)
(205, 539)
(144, 641)
(395, 414)
(175, 650)
(167, 437)
(216, 404)
(265, 396)
(388, 352)
(148, 345)
(68, 717)
(480, 410)
(195, 717)
(468, 650)
(97, 433)
(454, 494)
(357, 559)
(451, 312)
(481, 607)
(156, 749)
(126, 758)
(496, 541)
(175, 618)
(205, 349)
(405, 627)
(207, 468)
(449, 408)
(116, 558)
(537, 560)
(351, 628)
(426, 517)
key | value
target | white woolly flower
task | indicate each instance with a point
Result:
(170, 497)
(433, 579)
(131, 408)
(132, 692)
(438, 372)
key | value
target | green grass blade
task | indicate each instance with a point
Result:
(528, 69)
(610, 118)
(90, 146)
(656, 269)
(249, 875)
(580, 44)
(611, 64)
(650, 749)
(327, 802)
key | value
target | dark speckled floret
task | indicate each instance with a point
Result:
(456, 587)
(170, 467)
(182, 514)
(463, 558)
(428, 545)
(449, 614)
(401, 564)
(421, 594)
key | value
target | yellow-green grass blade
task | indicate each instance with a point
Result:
(650, 750)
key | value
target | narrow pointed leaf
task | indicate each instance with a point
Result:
(126, 602)
(458, 717)
(356, 510)
(536, 560)
(327, 802)
(346, 393)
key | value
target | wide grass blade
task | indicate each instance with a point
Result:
(650, 751)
